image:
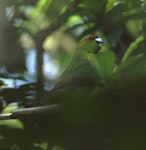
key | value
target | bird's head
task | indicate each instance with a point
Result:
(91, 44)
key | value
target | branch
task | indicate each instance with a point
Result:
(41, 36)
(30, 112)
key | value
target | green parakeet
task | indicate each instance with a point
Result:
(81, 74)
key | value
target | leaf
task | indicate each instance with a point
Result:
(114, 36)
(126, 64)
(132, 47)
(98, 6)
(110, 5)
(106, 63)
(40, 7)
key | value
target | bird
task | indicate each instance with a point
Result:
(81, 75)
(72, 92)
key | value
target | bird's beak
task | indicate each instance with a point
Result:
(99, 45)
(99, 42)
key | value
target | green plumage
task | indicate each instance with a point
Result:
(81, 74)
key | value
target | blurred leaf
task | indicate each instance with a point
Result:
(126, 64)
(132, 47)
(106, 63)
(50, 8)
(98, 6)
(56, 147)
(41, 8)
(132, 27)
(110, 4)
(15, 123)
(113, 36)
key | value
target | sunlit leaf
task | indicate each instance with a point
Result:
(110, 4)
(41, 7)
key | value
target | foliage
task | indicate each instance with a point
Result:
(117, 106)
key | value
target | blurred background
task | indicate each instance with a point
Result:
(38, 39)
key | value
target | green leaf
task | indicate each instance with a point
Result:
(106, 63)
(96, 5)
(127, 63)
(110, 5)
(41, 7)
(132, 47)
